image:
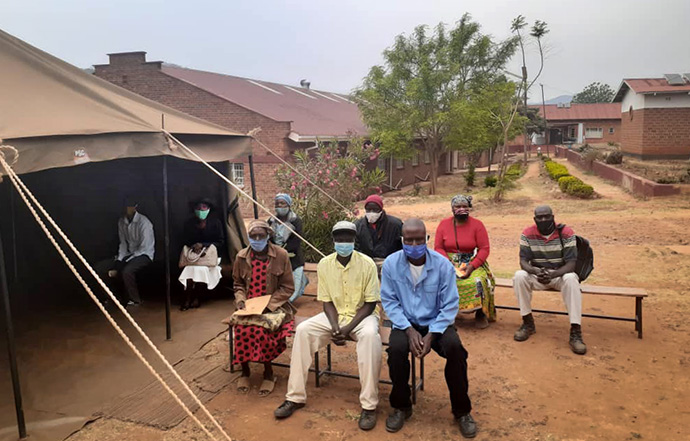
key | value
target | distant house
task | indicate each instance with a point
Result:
(579, 123)
(290, 117)
(655, 116)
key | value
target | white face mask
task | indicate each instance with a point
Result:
(373, 217)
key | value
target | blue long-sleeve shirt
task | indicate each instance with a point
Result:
(432, 302)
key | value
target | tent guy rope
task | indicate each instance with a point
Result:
(21, 189)
(236, 187)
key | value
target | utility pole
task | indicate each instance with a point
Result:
(546, 122)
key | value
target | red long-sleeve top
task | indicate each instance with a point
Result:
(472, 234)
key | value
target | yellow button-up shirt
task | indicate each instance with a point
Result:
(348, 287)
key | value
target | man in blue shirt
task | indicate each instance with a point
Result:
(420, 297)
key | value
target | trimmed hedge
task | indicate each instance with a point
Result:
(555, 170)
(514, 171)
(490, 181)
(575, 187)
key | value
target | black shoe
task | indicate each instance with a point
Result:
(367, 420)
(468, 427)
(396, 420)
(576, 344)
(526, 329)
(287, 409)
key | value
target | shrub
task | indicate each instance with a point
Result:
(341, 172)
(555, 170)
(615, 157)
(591, 155)
(514, 171)
(583, 148)
(566, 181)
(580, 190)
(470, 175)
(611, 144)
(667, 180)
(545, 158)
(490, 181)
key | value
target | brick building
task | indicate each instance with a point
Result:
(290, 117)
(597, 123)
(655, 117)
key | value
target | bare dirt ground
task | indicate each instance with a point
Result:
(623, 389)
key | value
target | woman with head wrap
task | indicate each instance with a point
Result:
(201, 232)
(284, 237)
(464, 240)
(262, 269)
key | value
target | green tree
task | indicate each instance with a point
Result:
(595, 93)
(408, 99)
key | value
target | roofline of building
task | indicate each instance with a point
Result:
(620, 92)
(223, 98)
(296, 137)
(127, 53)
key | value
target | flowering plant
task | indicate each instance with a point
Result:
(341, 169)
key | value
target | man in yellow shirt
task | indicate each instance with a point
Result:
(349, 289)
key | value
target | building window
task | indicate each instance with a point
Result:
(399, 163)
(415, 160)
(594, 132)
(611, 130)
(572, 133)
(237, 174)
(427, 157)
(381, 163)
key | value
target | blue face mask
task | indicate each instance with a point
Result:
(258, 245)
(282, 211)
(344, 249)
(414, 251)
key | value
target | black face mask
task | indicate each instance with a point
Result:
(461, 217)
(546, 227)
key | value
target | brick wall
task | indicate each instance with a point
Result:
(132, 72)
(605, 125)
(632, 129)
(657, 133)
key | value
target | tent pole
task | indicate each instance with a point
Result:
(251, 176)
(15, 271)
(11, 349)
(166, 222)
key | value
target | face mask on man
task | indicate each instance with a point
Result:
(414, 251)
(201, 214)
(373, 217)
(258, 245)
(344, 249)
(282, 211)
(546, 227)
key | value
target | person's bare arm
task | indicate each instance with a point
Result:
(365, 311)
(332, 315)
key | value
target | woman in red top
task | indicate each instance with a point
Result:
(464, 240)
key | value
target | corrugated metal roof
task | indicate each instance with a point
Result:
(581, 112)
(651, 85)
(312, 112)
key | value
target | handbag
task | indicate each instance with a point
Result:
(269, 320)
(208, 256)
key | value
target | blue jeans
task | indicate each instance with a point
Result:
(301, 282)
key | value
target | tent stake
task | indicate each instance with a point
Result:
(251, 176)
(166, 217)
(11, 349)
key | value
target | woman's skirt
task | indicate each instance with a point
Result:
(260, 345)
(477, 292)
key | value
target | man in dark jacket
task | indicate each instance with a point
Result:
(378, 234)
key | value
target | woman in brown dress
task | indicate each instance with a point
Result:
(262, 269)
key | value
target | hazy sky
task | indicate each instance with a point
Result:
(334, 43)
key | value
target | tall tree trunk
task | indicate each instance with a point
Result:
(433, 153)
(498, 195)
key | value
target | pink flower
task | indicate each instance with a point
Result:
(356, 212)
(328, 171)
(292, 174)
(325, 215)
(334, 165)
(320, 171)
(378, 190)
(332, 184)
(293, 187)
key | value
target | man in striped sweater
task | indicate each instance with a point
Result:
(547, 257)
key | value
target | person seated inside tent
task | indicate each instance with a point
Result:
(260, 270)
(378, 233)
(284, 237)
(203, 239)
(136, 251)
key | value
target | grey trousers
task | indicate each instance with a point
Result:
(126, 272)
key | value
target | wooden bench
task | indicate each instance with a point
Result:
(636, 293)
(385, 332)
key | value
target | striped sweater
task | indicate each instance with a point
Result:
(548, 252)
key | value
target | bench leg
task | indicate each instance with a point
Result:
(231, 344)
(328, 358)
(638, 316)
(413, 374)
(421, 374)
(317, 371)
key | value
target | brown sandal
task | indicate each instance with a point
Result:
(243, 385)
(267, 387)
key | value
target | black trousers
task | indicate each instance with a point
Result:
(448, 346)
(127, 273)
